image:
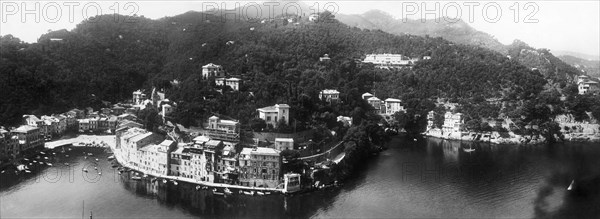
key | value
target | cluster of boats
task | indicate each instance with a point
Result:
(27, 164)
(227, 191)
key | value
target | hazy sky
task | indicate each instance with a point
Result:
(557, 25)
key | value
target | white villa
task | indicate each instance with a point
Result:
(273, 114)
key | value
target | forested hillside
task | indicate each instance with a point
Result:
(279, 62)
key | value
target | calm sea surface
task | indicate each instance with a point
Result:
(426, 178)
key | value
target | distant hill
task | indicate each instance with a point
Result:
(575, 54)
(458, 32)
(590, 67)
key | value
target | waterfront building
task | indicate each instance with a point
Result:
(154, 158)
(84, 125)
(29, 137)
(76, 113)
(212, 70)
(210, 149)
(93, 124)
(282, 144)
(62, 123)
(453, 123)
(392, 106)
(274, 114)
(227, 170)
(259, 167)
(112, 123)
(177, 162)
(133, 140)
(329, 95)
(9, 144)
(291, 182)
(197, 164)
(50, 125)
(430, 119)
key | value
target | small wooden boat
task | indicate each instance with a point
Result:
(27, 171)
(35, 161)
(175, 183)
(25, 159)
(164, 181)
(136, 178)
(41, 163)
(2, 171)
(215, 192)
(46, 158)
(267, 193)
(99, 173)
(49, 164)
(111, 157)
(227, 191)
(42, 153)
(96, 159)
(260, 193)
(198, 187)
(248, 192)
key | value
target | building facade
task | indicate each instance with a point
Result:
(393, 106)
(274, 114)
(212, 70)
(282, 144)
(329, 95)
(259, 167)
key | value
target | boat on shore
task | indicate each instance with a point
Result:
(216, 192)
(247, 192)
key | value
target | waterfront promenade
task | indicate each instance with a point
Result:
(87, 139)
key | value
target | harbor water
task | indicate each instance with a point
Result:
(414, 178)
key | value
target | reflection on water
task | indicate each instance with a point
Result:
(415, 179)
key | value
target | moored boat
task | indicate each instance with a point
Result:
(227, 191)
(215, 192)
(260, 193)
